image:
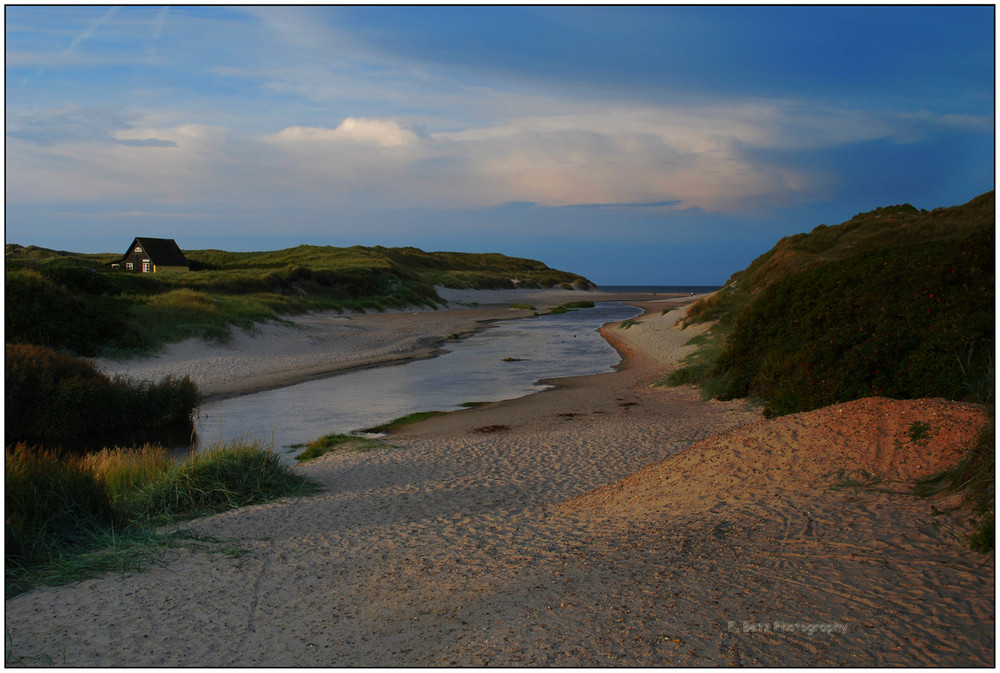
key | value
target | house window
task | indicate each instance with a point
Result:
(128, 265)
(145, 266)
(137, 249)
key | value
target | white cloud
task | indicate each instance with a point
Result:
(381, 132)
(703, 157)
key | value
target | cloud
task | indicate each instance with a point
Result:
(747, 156)
(90, 30)
(76, 124)
(381, 132)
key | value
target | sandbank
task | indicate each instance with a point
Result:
(604, 522)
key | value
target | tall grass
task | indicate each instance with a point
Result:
(52, 395)
(70, 516)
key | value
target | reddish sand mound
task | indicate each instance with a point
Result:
(799, 453)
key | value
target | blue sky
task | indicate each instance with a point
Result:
(641, 144)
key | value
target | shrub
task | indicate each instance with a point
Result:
(887, 322)
(40, 311)
(51, 395)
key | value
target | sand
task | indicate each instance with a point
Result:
(320, 344)
(605, 522)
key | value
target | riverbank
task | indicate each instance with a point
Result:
(322, 344)
(604, 522)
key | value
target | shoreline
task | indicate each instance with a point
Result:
(324, 344)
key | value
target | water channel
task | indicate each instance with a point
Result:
(502, 362)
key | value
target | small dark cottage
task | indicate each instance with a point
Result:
(153, 255)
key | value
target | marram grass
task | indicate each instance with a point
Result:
(70, 517)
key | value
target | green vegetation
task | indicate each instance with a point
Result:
(334, 443)
(71, 517)
(523, 307)
(72, 302)
(975, 478)
(858, 480)
(569, 306)
(51, 395)
(404, 420)
(629, 323)
(895, 302)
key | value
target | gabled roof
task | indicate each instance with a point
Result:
(162, 251)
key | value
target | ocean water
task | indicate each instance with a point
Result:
(505, 361)
(661, 289)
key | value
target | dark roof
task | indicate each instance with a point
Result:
(162, 251)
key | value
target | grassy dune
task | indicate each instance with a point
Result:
(69, 301)
(895, 302)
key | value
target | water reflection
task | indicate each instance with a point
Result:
(502, 362)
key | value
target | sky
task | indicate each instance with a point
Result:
(656, 145)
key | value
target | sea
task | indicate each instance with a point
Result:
(661, 289)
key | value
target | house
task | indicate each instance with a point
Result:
(153, 255)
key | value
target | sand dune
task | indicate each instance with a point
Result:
(605, 522)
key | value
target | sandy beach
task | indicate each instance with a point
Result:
(603, 522)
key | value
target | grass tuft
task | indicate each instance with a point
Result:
(403, 420)
(975, 478)
(71, 517)
(334, 443)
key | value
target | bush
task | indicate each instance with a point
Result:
(40, 311)
(51, 395)
(897, 323)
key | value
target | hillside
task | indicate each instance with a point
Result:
(71, 301)
(894, 302)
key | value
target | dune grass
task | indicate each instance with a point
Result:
(403, 420)
(51, 395)
(975, 478)
(73, 302)
(894, 302)
(71, 517)
(569, 306)
(334, 443)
